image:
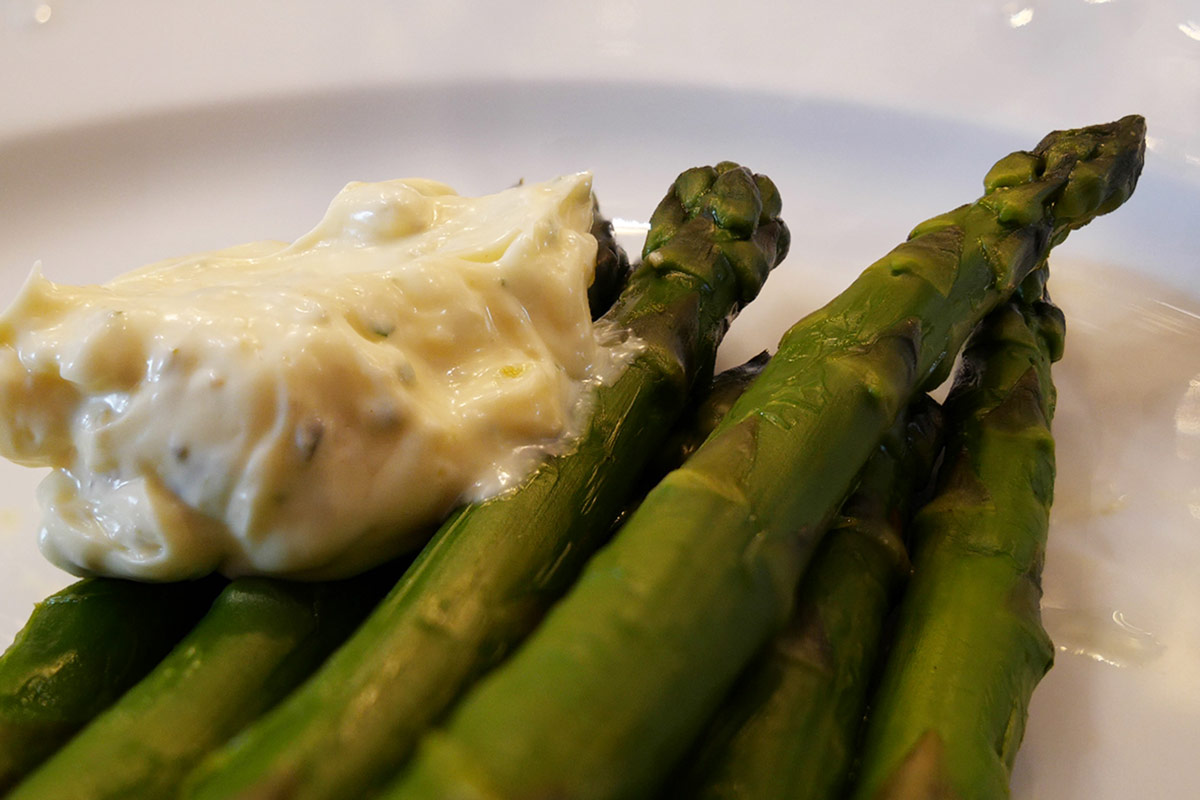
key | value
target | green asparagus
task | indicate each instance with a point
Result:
(790, 727)
(612, 266)
(491, 570)
(79, 651)
(621, 674)
(699, 420)
(260, 639)
(702, 418)
(950, 710)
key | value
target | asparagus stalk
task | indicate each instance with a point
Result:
(950, 710)
(79, 651)
(625, 669)
(612, 266)
(702, 418)
(790, 727)
(259, 640)
(491, 570)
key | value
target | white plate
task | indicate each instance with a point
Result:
(135, 176)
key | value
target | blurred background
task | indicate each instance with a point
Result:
(1016, 65)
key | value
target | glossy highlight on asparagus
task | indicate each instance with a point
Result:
(80, 650)
(950, 710)
(790, 727)
(493, 568)
(619, 677)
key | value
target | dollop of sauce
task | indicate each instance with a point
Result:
(310, 409)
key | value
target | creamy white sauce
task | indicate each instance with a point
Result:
(306, 409)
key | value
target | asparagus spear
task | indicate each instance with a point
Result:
(790, 727)
(950, 709)
(702, 418)
(79, 651)
(491, 570)
(259, 640)
(612, 266)
(621, 674)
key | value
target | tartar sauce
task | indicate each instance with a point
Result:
(306, 409)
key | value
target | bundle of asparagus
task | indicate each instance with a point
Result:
(257, 642)
(790, 726)
(81, 649)
(948, 716)
(949, 713)
(608, 691)
(613, 686)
